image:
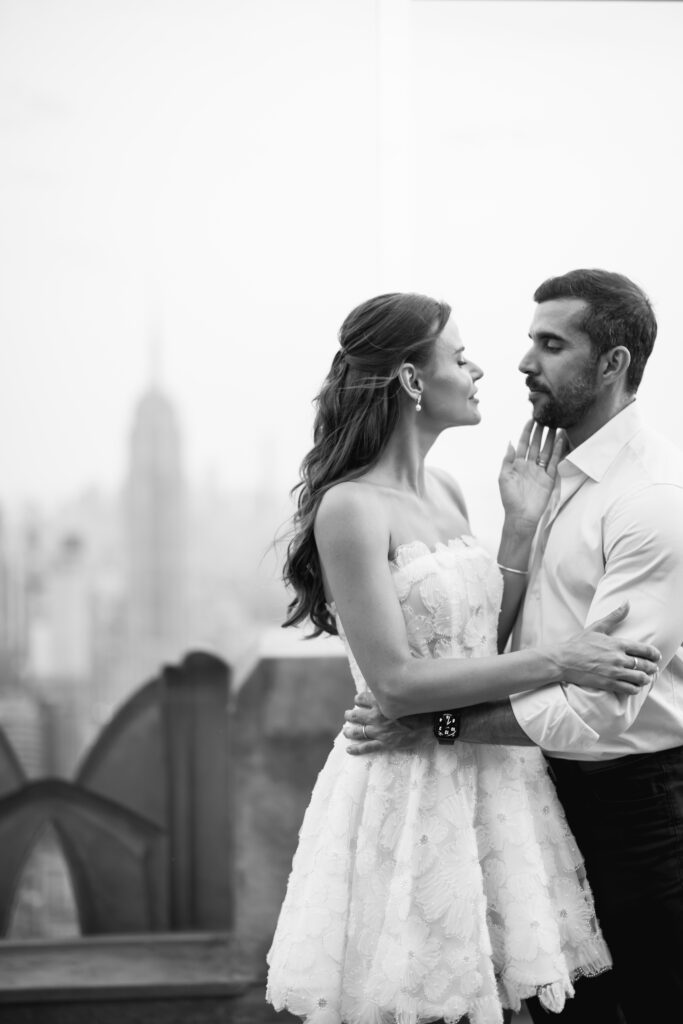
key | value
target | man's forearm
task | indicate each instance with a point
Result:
(493, 723)
(481, 723)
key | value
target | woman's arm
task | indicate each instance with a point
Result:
(353, 541)
(526, 480)
(513, 553)
(513, 559)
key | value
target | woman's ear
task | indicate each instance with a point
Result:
(410, 381)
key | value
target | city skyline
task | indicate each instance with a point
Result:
(234, 178)
(98, 595)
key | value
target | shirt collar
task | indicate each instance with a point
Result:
(596, 454)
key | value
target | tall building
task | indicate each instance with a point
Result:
(62, 635)
(25, 721)
(11, 638)
(60, 649)
(155, 505)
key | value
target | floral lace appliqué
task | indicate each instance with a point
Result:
(438, 882)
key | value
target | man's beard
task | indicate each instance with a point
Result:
(570, 403)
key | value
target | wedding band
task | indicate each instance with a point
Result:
(635, 664)
(365, 735)
(541, 463)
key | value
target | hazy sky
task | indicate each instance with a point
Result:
(229, 178)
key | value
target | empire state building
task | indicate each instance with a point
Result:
(156, 534)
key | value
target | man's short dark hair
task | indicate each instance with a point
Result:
(618, 313)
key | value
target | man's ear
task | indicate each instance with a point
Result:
(410, 380)
(614, 363)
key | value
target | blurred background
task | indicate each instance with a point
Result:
(193, 194)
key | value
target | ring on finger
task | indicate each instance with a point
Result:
(365, 735)
(542, 463)
(635, 664)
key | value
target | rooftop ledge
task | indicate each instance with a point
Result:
(125, 967)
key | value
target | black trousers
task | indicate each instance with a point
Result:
(627, 816)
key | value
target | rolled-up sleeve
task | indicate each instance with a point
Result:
(643, 557)
(548, 718)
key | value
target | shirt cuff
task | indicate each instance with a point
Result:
(548, 719)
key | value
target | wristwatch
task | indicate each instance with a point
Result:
(446, 725)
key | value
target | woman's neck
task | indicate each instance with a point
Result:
(402, 463)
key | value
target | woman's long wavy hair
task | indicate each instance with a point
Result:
(356, 411)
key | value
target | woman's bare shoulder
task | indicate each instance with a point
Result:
(351, 508)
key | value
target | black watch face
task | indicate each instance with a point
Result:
(447, 725)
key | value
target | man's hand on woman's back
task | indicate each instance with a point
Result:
(371, 732)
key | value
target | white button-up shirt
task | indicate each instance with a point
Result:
(612, 532)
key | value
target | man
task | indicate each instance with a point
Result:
(613, 531)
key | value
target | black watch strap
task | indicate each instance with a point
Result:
(446, 725)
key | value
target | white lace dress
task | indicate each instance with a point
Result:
(441, 881)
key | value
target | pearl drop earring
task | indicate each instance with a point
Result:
(418, 404)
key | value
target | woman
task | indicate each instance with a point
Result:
(439, 883)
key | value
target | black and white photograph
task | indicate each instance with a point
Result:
(341, 512)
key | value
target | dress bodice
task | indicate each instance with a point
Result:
(450, 597)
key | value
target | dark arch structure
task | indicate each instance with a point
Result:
(116, 858)
(183, 816)
(146, 826)
(11, 773)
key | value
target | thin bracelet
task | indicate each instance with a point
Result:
(517, 572)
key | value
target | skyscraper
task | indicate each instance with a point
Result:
(155, 536)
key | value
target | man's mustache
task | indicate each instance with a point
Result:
(533, 386)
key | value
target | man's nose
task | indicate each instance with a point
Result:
(528, 364)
